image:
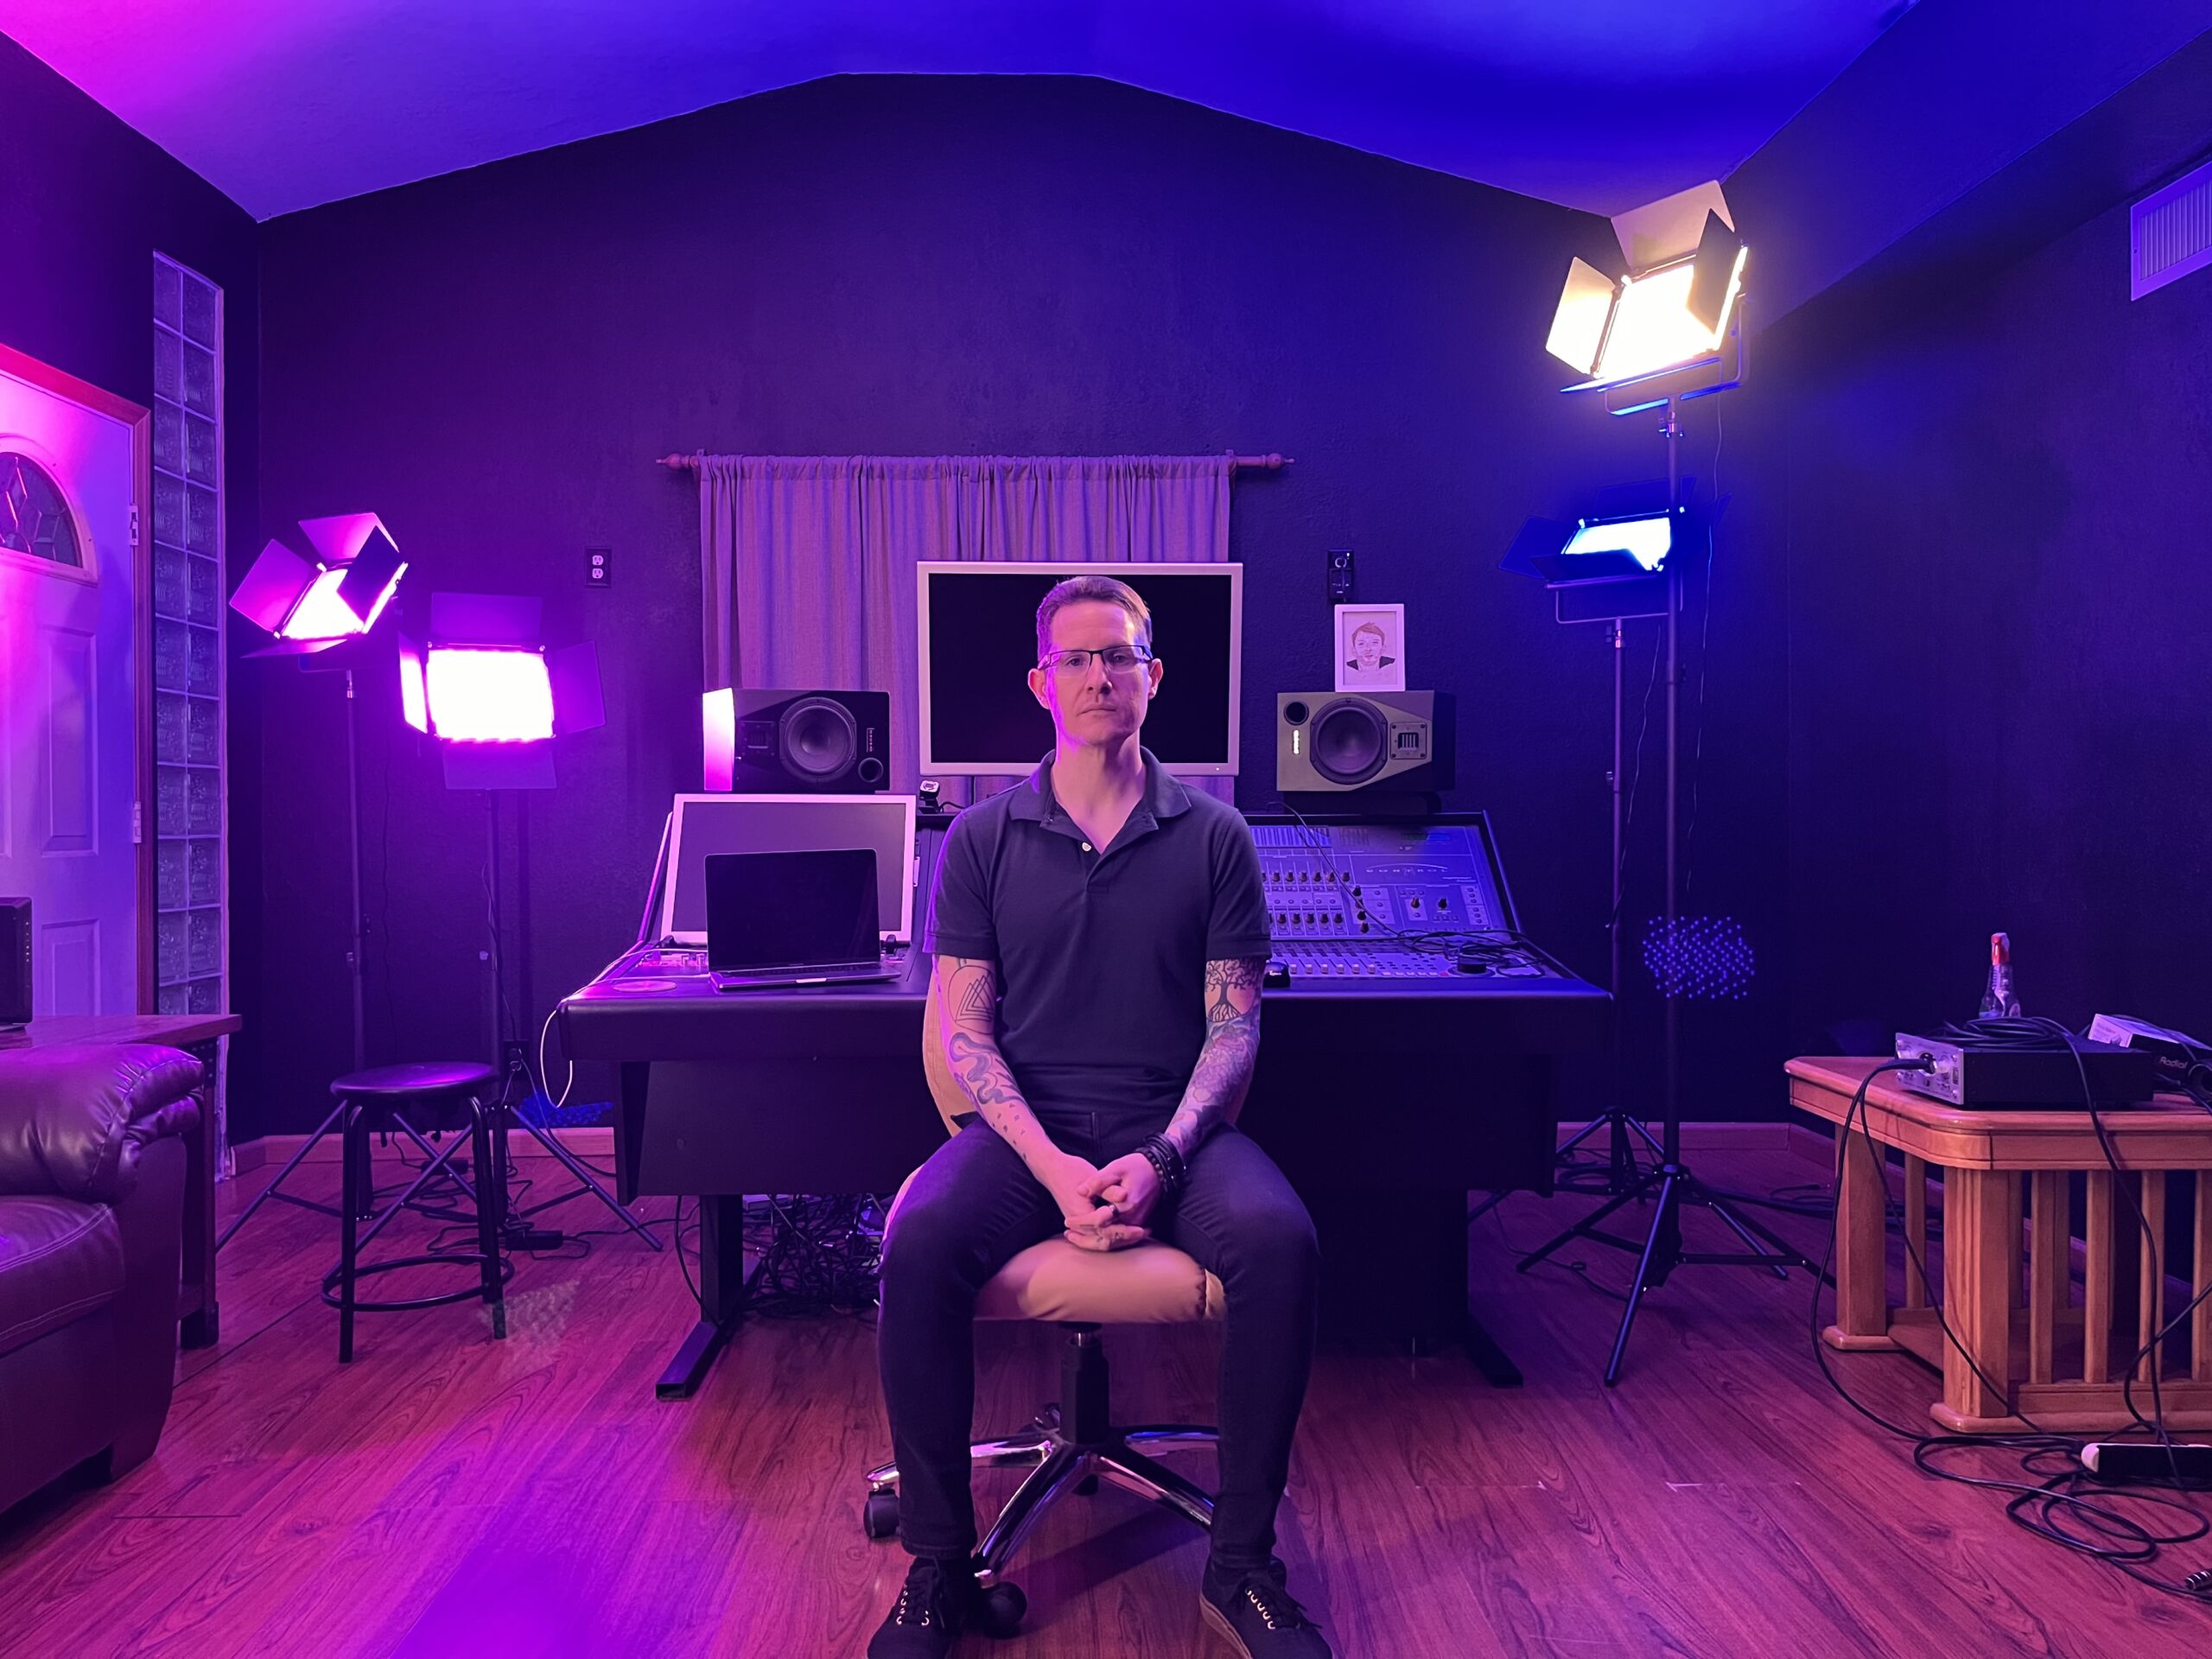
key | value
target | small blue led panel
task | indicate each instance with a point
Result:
(1648, 541)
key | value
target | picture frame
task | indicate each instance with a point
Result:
(1379, 631)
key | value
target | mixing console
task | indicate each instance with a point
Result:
(1391, 900)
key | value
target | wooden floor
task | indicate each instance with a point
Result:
(447, 1495)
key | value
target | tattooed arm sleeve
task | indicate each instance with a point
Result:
(967, 1001)
(1232, 1046)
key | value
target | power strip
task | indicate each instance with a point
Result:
(2146, 1460)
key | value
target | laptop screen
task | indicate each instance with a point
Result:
(791, 910)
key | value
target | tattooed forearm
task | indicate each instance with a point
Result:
(967, 993)
(1232, 1048)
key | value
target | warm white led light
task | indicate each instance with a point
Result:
(1652, 327)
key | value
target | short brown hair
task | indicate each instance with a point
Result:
(1076, 589)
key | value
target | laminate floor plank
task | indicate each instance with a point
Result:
(447, 1495)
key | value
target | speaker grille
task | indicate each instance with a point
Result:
(820, 738)
(1351, 742)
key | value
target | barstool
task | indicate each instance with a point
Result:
(367, 1101)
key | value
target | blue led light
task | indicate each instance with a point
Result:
(1646, 540)
(1702, 957)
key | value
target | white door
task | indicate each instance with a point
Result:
(68, 707)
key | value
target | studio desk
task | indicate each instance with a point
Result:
(1383, 1101)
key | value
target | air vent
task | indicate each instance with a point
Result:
(2169, 233)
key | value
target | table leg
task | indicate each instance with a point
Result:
(203, 1323)
(1862, 1268)
(1980, 1262)
(721, 1296)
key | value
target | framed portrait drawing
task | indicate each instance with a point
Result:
(1371, 648)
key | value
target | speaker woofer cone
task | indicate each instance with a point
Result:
(1349, 743)
(818, 738)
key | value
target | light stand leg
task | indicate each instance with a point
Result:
(1623, 1172)
(505, 1114)
(1661, 1250)
(269, 1191)
(353, 946)
(582, 1172)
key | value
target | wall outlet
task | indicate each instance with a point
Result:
(1340, 574)
(513, 1056)
(599, 566)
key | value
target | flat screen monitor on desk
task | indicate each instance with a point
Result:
(702, 825)
(978, 642)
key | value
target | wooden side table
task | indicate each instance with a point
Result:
(2057, 1361)
(200, 1035)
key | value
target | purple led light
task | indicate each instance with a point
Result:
(414, 692)
(477, 696)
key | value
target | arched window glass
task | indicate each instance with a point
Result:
(34, 517)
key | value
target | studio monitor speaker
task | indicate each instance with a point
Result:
(15, 962)
(1332, 742)
(786, 743)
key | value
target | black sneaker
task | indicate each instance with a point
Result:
(1259, 1617)
(934, 1606)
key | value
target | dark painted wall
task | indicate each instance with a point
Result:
(1955, 93)
(1994, 513)
(909, 266)
(87, 203)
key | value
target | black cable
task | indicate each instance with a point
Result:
(2046, 1500)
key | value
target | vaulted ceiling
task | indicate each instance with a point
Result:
(1597, 104)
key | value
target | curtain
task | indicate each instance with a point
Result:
(807, 564)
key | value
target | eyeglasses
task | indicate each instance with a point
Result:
(1119, 660)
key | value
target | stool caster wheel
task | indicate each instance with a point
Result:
(879, 1515)
(1004, 1605)
(1087, 1486)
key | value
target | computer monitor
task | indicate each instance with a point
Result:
(978, 625)
(702, 825)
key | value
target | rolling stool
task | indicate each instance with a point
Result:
(368, 1101)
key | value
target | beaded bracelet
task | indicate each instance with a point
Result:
(1166, 1163)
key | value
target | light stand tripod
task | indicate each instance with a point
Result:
(355, 941)
(1671, 1181)
(507, 1113)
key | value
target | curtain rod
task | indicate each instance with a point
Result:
(1270, 463)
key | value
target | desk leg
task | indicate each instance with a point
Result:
(203, 1324)
(1862, 1268)
(1978, 1258)
(721, 1297)
(1491, 1360)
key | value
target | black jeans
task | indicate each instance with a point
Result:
(975, 1204)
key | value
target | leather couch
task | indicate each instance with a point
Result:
(91, 1202)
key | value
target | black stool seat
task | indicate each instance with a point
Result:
(366, 1101)
(423, 1078)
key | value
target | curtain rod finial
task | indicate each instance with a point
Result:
(674, 462)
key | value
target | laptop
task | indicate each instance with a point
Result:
(793, 918)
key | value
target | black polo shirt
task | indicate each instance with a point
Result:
(1101, 955)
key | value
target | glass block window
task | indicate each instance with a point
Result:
(34, 520)
(192, 948)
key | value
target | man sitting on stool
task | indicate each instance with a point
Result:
(1100, 933)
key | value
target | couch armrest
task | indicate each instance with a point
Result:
(73, 1118)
